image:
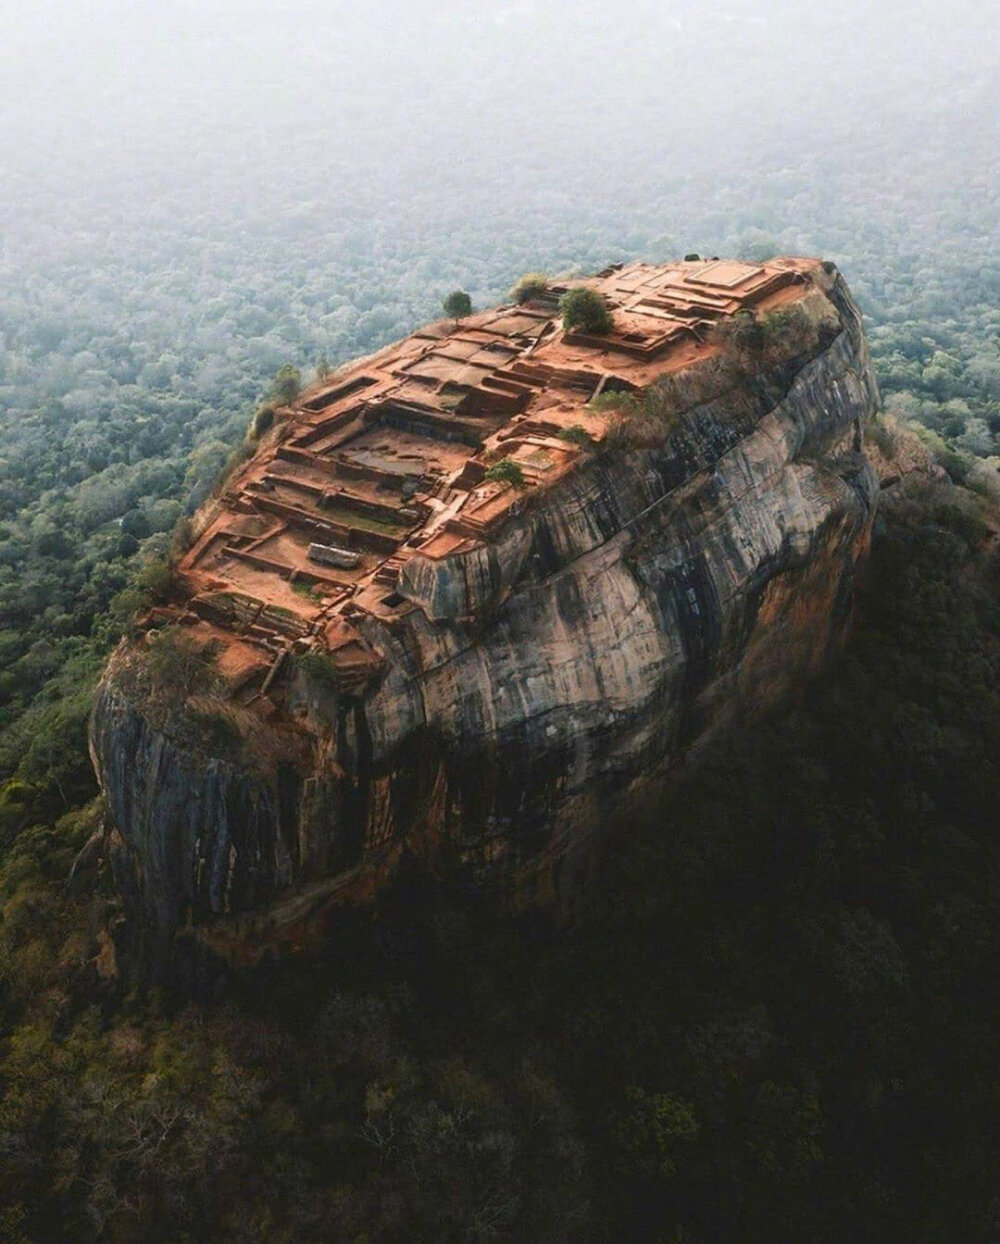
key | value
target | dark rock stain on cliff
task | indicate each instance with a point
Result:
(533, 685)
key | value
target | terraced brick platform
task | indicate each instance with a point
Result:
(390, 457)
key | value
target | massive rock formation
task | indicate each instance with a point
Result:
(502, 659)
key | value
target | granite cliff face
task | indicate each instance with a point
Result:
(521, 689)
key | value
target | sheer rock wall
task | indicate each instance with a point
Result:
(544, 681)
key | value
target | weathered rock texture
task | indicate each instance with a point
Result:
(544, 679)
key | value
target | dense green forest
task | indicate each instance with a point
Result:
(133, 349)
(139, 327)
(776, 1020)
(776, 1024)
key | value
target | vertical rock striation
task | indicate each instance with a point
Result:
(535, 683)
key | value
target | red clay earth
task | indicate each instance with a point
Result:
(389, 457)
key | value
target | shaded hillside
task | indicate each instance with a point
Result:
(776, 1025)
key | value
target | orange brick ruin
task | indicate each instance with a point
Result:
(388, 458)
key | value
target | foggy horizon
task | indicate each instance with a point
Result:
(536, 781)
(225, 104)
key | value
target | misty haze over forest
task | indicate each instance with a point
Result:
(624, 122)
(780, 1021)
(313, 183)
(193, 196)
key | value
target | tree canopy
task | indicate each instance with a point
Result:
(773, 989)
(531, 285)
(287, 384)
(458, 304)
(587, 309)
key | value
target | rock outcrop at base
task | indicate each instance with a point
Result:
(509, 695)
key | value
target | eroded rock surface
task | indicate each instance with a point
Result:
(490, 691)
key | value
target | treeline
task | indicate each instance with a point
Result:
(735, 1054)
(139, 325)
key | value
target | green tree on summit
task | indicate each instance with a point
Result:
(287, 384)
(587, 309)
(457, 305)
(531, 285)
